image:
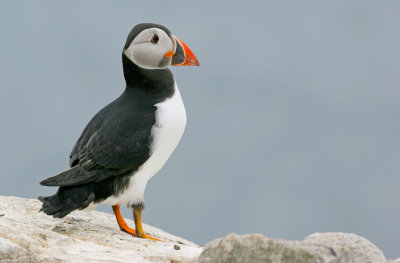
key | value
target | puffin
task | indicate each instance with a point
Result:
(128, 141)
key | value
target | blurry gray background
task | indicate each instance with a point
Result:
(293, 116)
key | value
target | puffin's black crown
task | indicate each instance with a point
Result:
(139, 28)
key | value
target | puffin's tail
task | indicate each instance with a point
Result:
(76, 190)
(67, 199)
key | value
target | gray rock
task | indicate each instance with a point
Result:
(317, 248)
(257, 248)
(83, 236)
(362, 249)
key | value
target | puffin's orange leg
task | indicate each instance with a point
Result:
(138, 222)
(121, 222)
(137, 217)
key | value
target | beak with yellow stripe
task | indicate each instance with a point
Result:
(182, 56)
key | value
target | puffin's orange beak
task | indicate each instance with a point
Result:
(183, 55)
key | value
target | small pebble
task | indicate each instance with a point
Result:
(177, 247)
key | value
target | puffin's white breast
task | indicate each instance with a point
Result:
(167, 132)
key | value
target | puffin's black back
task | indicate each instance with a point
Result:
(115, 143)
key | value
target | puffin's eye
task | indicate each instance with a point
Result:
(154, 39)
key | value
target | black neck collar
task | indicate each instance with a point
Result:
(157, 83)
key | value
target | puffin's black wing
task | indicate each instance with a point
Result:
(94, 124)
(116, 141)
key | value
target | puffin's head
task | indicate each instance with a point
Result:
(152, 46)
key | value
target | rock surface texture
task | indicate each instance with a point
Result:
(360, 248)
(90, 236)
(316, 248)
(83, 236)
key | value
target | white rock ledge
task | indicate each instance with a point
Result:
(91, 236)
(83, 236)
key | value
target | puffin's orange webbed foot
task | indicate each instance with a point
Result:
(121, 222)
(137, 217)
(128, 230)
(149, 237)
(124, 226)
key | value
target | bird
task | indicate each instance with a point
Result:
(129, 140)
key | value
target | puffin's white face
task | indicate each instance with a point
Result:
(152, 48)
